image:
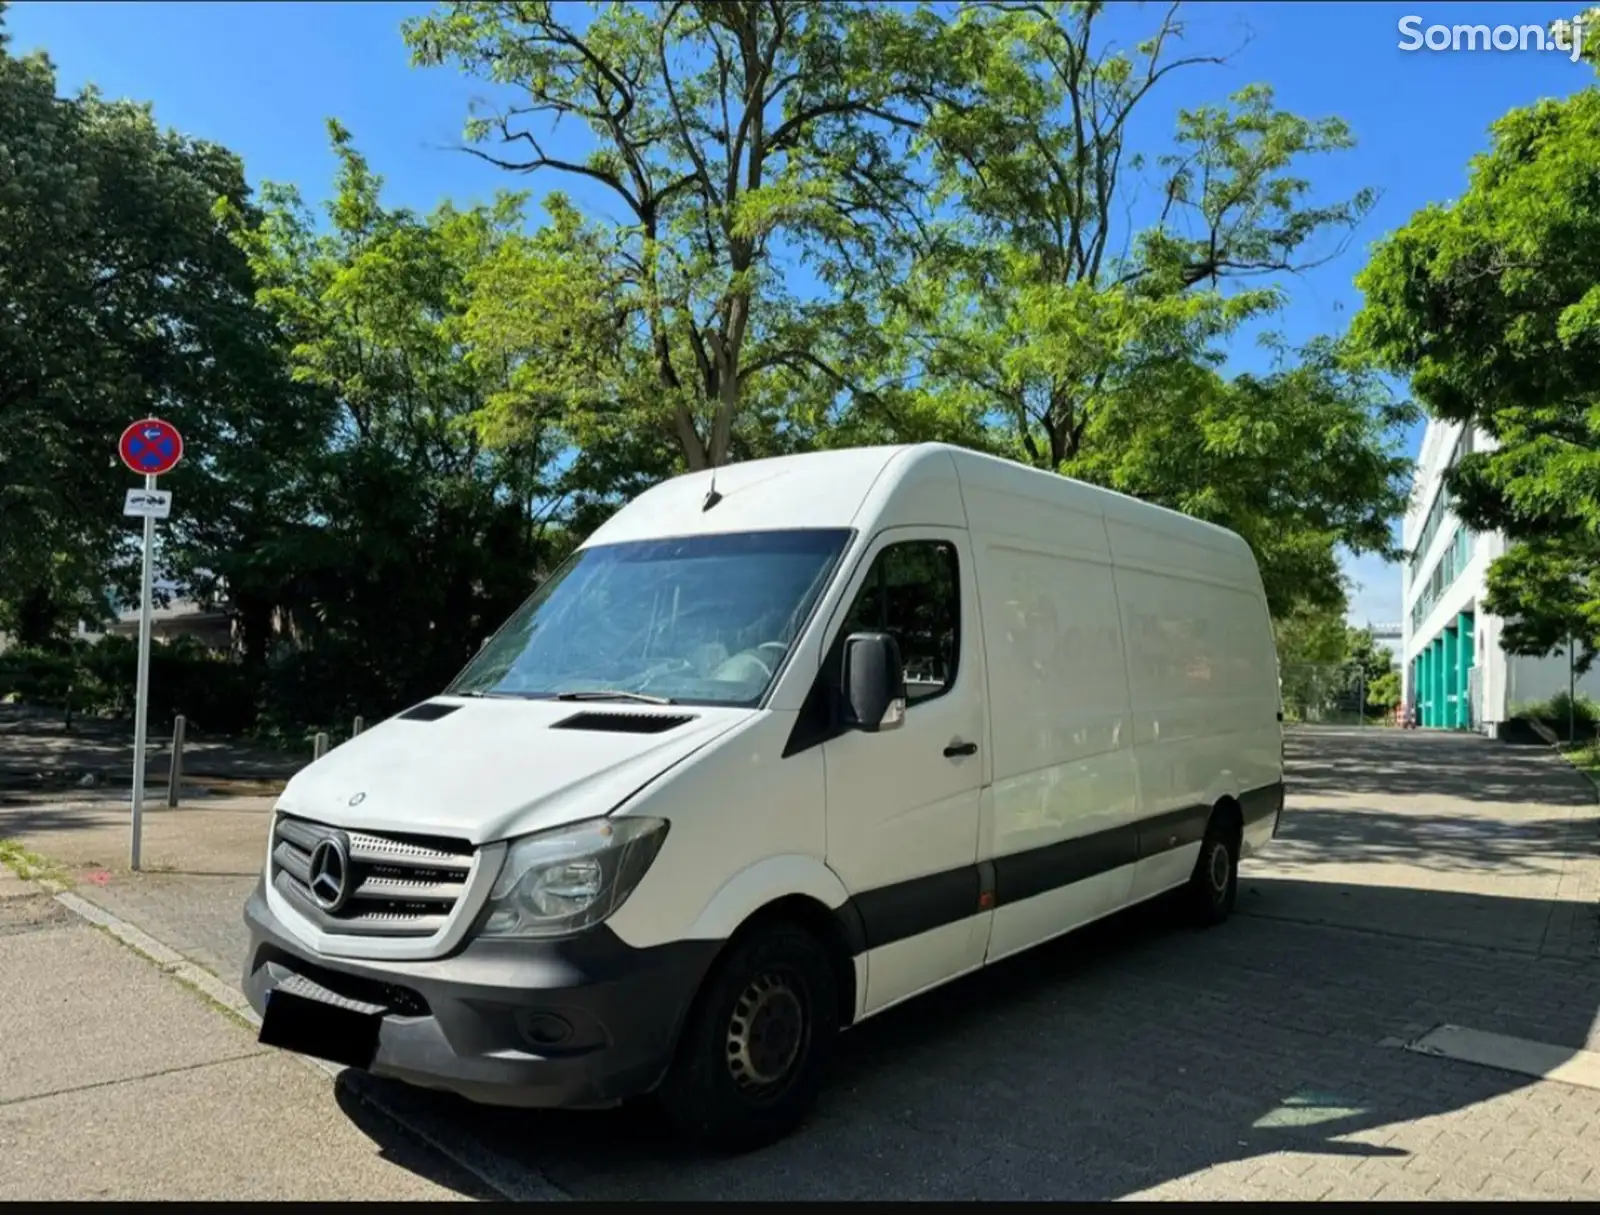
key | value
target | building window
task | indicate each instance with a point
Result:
(1448, 568)
(1441, 506)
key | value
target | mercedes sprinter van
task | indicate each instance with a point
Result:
(776, 749)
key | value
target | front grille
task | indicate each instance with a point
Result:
(396, 885)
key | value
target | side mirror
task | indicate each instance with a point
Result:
(874, 683)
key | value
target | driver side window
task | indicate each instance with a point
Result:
(913, 593)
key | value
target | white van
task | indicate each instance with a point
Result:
(778, 748)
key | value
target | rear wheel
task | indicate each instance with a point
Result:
(757, 1045)
(1214, 884)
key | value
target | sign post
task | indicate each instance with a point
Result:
(151, 447)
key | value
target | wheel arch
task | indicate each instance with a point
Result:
(1226, 809)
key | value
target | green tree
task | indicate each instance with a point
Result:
(1092, 350)
(1298, 461)
(732, 137)
(1308, 635)
(401, 541)
(1384, 691)
(1491, 305)
(1363, 651)
(119, 298)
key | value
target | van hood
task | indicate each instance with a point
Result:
(486, 770)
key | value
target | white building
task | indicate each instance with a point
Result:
(1454, 674)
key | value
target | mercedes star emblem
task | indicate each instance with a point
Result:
(330, 873)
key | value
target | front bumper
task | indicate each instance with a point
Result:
(582, 1022)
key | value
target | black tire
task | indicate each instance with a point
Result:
(758, 1042)
(1214, 884)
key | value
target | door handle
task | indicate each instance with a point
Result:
(960, 748)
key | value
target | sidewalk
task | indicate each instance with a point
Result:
(198, 863)
(118, 1082)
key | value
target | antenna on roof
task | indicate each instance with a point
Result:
(712, 496)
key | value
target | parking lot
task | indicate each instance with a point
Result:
(1420, 880)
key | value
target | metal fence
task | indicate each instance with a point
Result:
(1327, 694)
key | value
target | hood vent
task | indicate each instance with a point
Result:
(428, 710)
(624, 723)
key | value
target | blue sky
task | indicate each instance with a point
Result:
(262, 78)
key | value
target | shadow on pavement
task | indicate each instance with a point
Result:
(1383, 763)
(1130, 1054)
(402, 1149)
(39, 753)
(1445, 843)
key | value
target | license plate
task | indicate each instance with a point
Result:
(346, 1036)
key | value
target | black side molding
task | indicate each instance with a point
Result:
(875, 918)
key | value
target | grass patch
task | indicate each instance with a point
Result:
(1585, 757)
(30, 866)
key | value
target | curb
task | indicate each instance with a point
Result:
(510, 1181)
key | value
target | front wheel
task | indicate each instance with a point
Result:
(758, 1042)
(1214, 885)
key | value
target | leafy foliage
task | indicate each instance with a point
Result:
(729, 134)
(1561, 711)
(119, 298)
(1491, 305)
(216, 695)
(1384, 691)
(821, 225)
(1308, 635)
(1091, 349)
(393, 481)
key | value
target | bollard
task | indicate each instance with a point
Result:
(360, 725)
(319, 748)
(175, 767)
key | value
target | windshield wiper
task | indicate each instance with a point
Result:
(639, 696)
(491, 695)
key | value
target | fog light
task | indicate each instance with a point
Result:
(543, 1029)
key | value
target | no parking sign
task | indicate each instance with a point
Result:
(152, 447)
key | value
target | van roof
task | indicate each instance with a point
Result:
(827, 489)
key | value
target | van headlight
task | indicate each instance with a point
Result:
(562, 881)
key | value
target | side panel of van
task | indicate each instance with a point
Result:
(1203, 698)
(1061, 821)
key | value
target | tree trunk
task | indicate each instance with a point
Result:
(253, 619)
(38, 617)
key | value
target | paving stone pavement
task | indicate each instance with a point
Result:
(115, 1082)
(1419, 880)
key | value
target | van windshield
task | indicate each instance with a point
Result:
(693, 620)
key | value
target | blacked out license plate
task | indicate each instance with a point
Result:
(345, 1036)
